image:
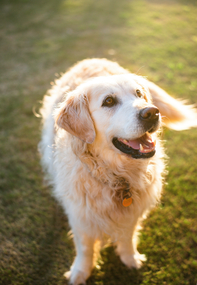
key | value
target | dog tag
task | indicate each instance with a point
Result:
(127, 200)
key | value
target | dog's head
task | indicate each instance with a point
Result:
(115, 110)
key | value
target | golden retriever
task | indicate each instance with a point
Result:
(101, 149)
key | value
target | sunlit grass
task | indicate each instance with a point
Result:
(41, 39)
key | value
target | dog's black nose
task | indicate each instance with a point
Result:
(149, 114)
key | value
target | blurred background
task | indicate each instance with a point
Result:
(39, 41)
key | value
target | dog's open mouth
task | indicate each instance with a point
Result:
(143, 147)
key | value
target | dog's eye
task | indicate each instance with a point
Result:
(109, 102)
(139, 93)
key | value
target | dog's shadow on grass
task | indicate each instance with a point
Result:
(111, 271)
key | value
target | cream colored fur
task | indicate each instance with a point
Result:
(86, 170)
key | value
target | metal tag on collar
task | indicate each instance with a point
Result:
(127, 199)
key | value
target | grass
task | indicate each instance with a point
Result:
(41, 39)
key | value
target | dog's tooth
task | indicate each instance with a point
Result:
(141, 148)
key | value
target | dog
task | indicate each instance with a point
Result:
(102, 151)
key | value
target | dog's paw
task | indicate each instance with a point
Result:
(75, 277)
(133, 260)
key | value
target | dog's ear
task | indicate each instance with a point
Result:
(74, 116)
(175, 114)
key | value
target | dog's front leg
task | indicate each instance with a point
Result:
(127, 250)
(83, 263)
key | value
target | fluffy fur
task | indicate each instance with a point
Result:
(88, 172)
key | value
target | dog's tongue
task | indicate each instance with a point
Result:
(144, 144)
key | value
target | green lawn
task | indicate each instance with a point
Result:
(40, 40)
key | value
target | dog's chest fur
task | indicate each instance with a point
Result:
(97, 192)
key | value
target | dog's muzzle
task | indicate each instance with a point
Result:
(144, 146)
